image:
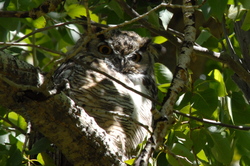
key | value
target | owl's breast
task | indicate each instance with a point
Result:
(121, 112)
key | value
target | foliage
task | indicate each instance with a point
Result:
(212, 96)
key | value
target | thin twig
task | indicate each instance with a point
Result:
(51, 27)
(31, 45)
(86, 4)
(212, 121)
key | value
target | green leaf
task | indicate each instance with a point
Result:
(130, 162)
(244, 161)
(116, 8)
(205, 102)
(202, 156)
(240, 109)
(184, 139)
(40, 146)
(184, 101)
(206, 9)
(17, 120)
(3, 111)
(221, 146)
(6, 4)
(204, 36)
(37, 23)
(153, 18)
(218, 8)
(76, 10)
(245, 3)
(165, 17)
(44, 159)
(10, 24)
(220, 87)
(159, 39)
(246, 24)
(4, 154)
(242, 142)
(28, 4)
(162, 73)
(4, 33)
(198, 136)
(15, 157)
(185, 157)
(163, 87)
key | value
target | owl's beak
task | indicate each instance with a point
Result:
(119, 63)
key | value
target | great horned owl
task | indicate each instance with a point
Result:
(122, 113)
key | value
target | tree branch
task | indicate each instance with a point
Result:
(57, 117)
(208, 121)
(44, 8)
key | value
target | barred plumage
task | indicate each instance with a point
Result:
(123, 114)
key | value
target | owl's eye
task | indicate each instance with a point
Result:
(105, 49)
(136, 57)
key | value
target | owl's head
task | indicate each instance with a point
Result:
(124, 51)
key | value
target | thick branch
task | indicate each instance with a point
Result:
(44, 8)
(57, 117)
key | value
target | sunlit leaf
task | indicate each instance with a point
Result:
(130, 162)
(163, 87)
(220, 87)
(229, 108)
(12, 6)
(37, 23)
(202, 156)
(163, 74)
(165, 17)
(76, 10)
(159, 39)
(17, 120)
(44, 159)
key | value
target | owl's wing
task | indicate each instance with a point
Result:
(61, 75)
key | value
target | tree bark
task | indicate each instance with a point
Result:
(56, 116)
